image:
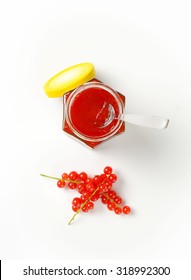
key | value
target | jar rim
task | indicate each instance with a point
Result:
(70, 99)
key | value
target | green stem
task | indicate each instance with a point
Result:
(77, 212)
(56, 178)
(111, 200)
(73, 217)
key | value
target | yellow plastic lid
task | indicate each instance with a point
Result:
(69, 79)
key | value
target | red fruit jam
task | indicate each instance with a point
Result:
(92, 113)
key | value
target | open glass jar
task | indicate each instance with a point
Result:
(93, 112)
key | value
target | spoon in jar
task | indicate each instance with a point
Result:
(146, 121)
(107, 114)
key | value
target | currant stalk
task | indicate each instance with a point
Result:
(73, 217)
(60, 179)
(111, 200)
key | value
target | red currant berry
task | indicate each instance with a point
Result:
(72, 186)
(85, 208)
(83, 198)
(64, 176)
(107, 189)
(83, 176)
(86, 194)
(89, 180)
(118, 200)
(95, 197)
(107, 170)
(97, 179)
(102, 177)
(118, 210)
(75, 208)
(61, 184)
(76, 201)
(108, 184)
(104, 199)
(81, 188)
(90, 205)
(126, 209)
(102, 188)
(90, 187)
(73, 175)
(112, 178)
(112, 194)
(111, 206)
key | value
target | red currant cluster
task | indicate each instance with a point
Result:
(91, 190)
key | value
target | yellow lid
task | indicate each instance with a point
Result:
(69, 79)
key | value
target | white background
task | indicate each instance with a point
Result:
(140, 48)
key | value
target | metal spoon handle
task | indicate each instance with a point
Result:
(146, 121)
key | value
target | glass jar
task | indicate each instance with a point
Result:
(92, 110)
(92, 113)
